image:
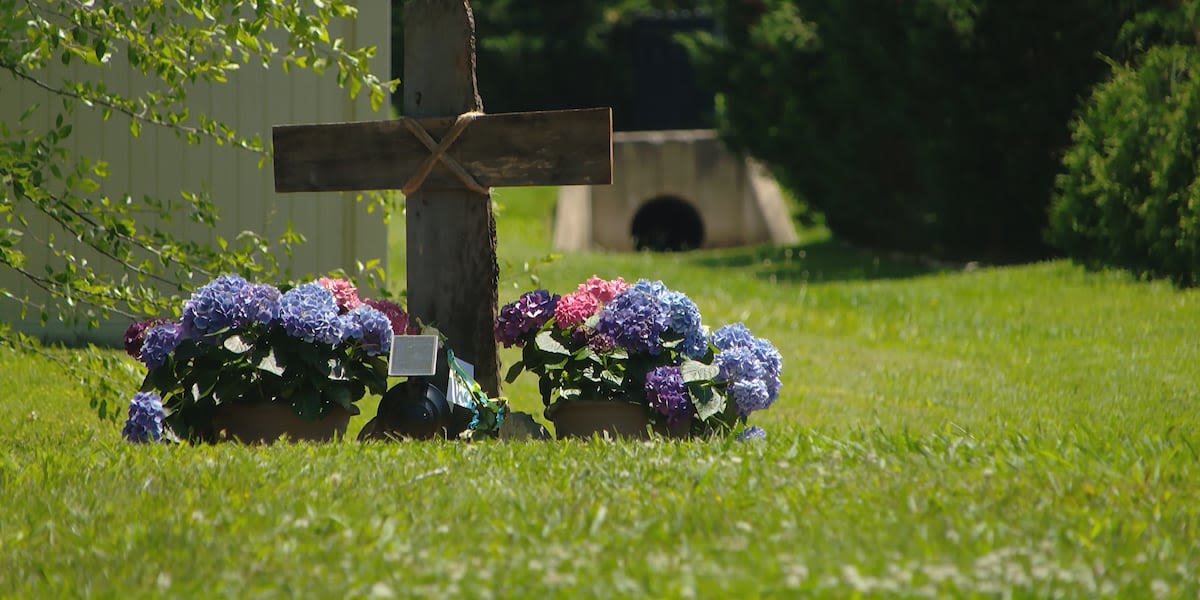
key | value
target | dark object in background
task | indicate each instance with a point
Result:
(551, 54)
(924, 126)
(667, 224)
(666, 94)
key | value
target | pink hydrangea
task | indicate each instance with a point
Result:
(586, 300)
(603, 291)
(574, 308)
(343, 292)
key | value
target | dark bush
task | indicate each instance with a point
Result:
(933, 126)
(552, 54)
(1130, 196)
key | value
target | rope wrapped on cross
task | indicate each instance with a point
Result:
(437, 152)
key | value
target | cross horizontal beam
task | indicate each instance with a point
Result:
(561, 147)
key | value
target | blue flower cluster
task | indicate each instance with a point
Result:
(753, 432)
(639, 318)
(685, 322)
(370, 327)
(667, 394)
(256, 303)
(310, 312)
(159, 342)
(524, 315)
(750, 365)
(636, 319)
(145, 422)
(212, 307)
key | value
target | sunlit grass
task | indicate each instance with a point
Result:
(943, 431)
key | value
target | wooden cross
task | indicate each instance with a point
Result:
(445, 155)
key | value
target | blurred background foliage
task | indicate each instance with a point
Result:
(946, 128)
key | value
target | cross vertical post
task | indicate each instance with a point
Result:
(451, 233)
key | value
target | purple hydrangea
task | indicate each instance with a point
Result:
(158, 343)
(256, 303)
(136, 334)
(753, 432)
(750, 365)
(600, 343)
(212, 307)
(667, 394)
(370, 327)
(145, 421)
(636, 320)
(524, 315)
(309, 312)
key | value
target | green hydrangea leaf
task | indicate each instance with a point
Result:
(546, 343)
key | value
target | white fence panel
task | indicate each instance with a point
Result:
(339, 230)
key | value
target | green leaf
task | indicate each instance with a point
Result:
(513, 371)
(545, 342)
(269, 364)
(615, 380)
(692, 370)
(340, 395)
(237, 345)
(708, 401)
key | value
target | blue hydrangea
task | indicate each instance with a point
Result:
(159, 342)
(750, 395)
(370, 327)
(739, 363)
(309, 312)
(685, 322)
(753, 432)
(732, 336)
(750, 365)
(145, 421)
(675, 317)
(212, 307)
(654, 288)
(636, 320)
(256, 303)
(667, 394)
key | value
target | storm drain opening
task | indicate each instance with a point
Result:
(667, 224)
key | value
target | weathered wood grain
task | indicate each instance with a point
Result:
(510, 149)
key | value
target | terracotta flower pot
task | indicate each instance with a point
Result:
(611, 418)
(266, 422)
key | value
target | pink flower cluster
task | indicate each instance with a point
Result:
(586, 300)
(401, 324)
(343, 292)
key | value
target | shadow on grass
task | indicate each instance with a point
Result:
(821, 261)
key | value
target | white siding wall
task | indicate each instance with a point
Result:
(339, 230)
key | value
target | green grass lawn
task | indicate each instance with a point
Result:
(1027, 431)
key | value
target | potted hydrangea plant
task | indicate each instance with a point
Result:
(254, 361)
(619, 358)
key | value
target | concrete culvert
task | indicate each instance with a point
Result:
(667, 224)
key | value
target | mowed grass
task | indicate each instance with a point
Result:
(944, 431)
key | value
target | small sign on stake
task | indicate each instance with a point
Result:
(413, 355)
(458, 386)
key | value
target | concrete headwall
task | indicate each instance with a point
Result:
(736, 200)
